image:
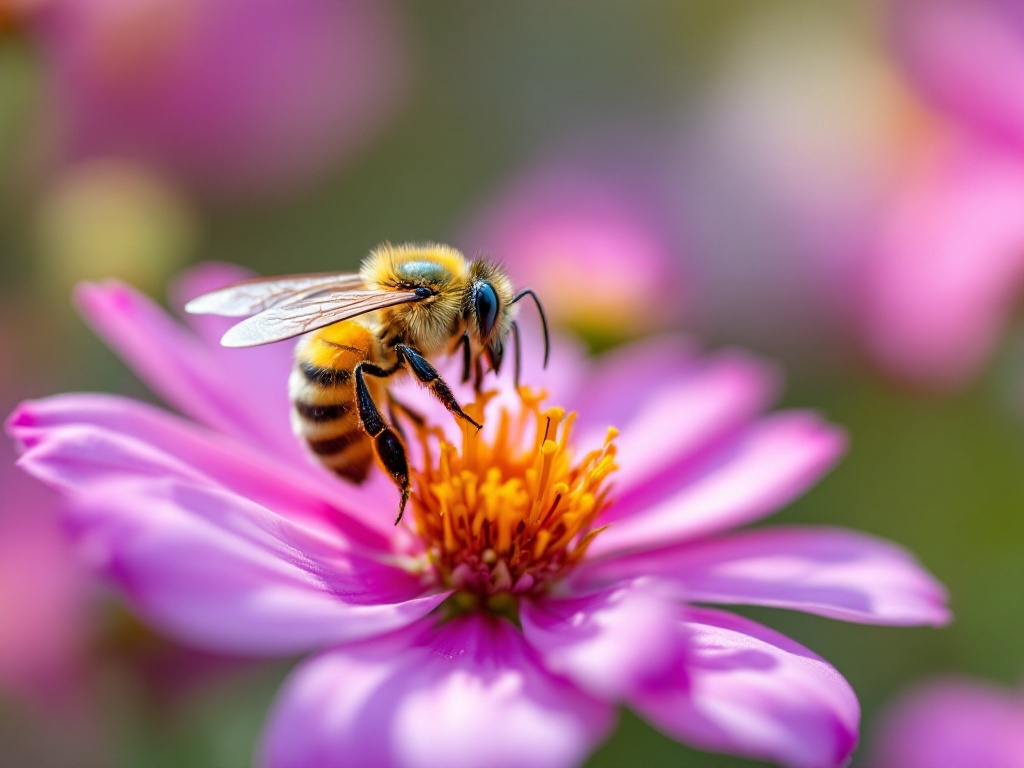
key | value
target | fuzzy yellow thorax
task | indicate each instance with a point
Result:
(507, 514)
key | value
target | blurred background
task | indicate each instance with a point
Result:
(838, 185)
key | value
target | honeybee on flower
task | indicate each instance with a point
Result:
(407, 304)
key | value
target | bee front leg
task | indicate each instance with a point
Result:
(427, 374)
(467, 362)
(386, 443)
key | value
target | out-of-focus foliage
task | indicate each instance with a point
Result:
(775, 160)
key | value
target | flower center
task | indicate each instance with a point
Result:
(507, 514)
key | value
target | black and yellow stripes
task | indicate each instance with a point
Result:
(324, 409)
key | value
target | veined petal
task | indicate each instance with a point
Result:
(680, 423)
(188, 374)
(765, 468)
(747, 690)
(610, 642)
(75, 441)
(222, 572)
(828, 571)
(466, 693)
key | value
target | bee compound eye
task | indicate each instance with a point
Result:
(486, 301)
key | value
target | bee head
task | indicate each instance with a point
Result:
(488, 308)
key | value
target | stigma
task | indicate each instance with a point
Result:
(510, 513)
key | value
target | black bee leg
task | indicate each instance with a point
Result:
(428, 375)
(386, 443)
(478, 375)
(519, 357)
(467, 362)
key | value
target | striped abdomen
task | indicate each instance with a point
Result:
(324, 409)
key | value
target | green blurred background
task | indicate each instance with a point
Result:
(496, 88)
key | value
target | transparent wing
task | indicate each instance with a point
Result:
(301, 316)
(261, 293)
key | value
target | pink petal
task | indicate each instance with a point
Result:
(465, 693)
(762, 470)
(961, 53)
(749, 691)
(828, 571)
(200, 382)
(219, 571)
(73, 442)
(618, 371)
(675, 423)
(947, 269)
(610, 642)
(953, 723)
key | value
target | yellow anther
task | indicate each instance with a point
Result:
(512, 511)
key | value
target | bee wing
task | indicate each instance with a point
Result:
(298, 317)
(261, 293)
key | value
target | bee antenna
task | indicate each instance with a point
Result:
(543, 320)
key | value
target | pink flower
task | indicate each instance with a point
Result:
(946, 266)
(951, 723)
(235, 97)
(44, 591)
(865, 224)
(43, 596)
(506, 630)
(590, 244)
(964, 55)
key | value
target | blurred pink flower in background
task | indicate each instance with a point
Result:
(44, 618)
(44, 615)
(591, 244)
(234, 97)
(953, 723)
(221, 532)
(946, 269)
(853, 218)
(966, 56)
(783, 164)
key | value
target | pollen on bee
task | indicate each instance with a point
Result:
(509, 512)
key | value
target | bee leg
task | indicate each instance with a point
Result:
(386, 443)
(519, 357)
(467, 363)
(478, 375)
(428, 375)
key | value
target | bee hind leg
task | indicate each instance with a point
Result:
(386, 442)
(428, 375)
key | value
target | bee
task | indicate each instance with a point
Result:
(406, 305)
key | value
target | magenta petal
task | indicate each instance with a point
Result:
(219, 571)
(615, 372)
(464, 694)
(959, 52)
(765, 468)
(74, 442)
(186, 372)
(678, 422)
(953, 723)
(609, 643)
(747, 690)
(946, 269)
(828, 571)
